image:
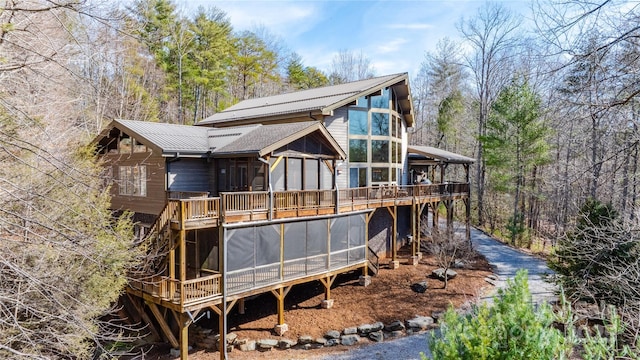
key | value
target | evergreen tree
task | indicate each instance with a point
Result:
(515, 144)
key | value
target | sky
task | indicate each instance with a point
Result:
(393, 35)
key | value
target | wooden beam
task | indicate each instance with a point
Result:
(166, 330)
(139, 308)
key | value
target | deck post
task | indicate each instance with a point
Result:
(184, 336)
(280, 294)
(467, 203)
(394, 238)
(327, 303)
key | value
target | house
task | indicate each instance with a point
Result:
(271, 193)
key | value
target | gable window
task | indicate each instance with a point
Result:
(133, 180)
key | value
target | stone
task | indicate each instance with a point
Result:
(327, 304)
(286, 344)
(396, 333)
(420, 287)
(394, 264)
(459, 264)
(332, 334)
(376, 336)
(396, 325)
(420, 323)
(249, 345)
(377, 326)
(437, 315)
(365, 329)
(231, 338)
(332, 342)
(266, 344)
(176, 352)
(364, 280)
(280, 329)
(320, 341)
(440, 274)
(350, 331)
(349, 340)
(305, 339)
(307, 347)
(415, 260)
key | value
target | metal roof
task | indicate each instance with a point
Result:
(170, 138)
(439, 154)
(187, 140)
(319, 100)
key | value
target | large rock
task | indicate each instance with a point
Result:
(266, 344)
(305, 339)
(420, 287)
(332, 342)
(350, 331)
(440, 274)
(420, 323)
(249, 345)
(332, 334)
(396, 325)
(349, 340)
(286, 344)
(376, 336)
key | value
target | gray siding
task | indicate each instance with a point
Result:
(188, 175)
(338, 127)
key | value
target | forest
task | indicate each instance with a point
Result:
(549, 111)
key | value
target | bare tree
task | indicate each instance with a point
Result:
(448, 246)
(63, 258)
(348, 66)
(492, 36)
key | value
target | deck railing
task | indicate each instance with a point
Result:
(179, 292)
(201, 208)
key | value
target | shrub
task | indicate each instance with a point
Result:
(510, 328)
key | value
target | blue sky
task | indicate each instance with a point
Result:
(394, 35)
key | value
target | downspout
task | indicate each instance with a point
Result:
(270, 187)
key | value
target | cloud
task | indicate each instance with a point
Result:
(414, 26)
(392, 46)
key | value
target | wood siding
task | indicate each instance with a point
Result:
(188, 175)
(155, 200)
(338, 127)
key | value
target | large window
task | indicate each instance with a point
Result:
(379, 124)
(133, 180)
(357, 150)
(358, 124)
(358, 177)
(379, 151)
(381, 101)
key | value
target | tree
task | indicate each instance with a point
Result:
(599, 261)
(253, 64)
(515, 145)
(63, 257)
(492, 38)
(302, 77)
(348, 66)
(447, 246)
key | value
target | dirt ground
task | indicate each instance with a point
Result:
(388, 298)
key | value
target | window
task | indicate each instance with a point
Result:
(379, 151)
(133, 180)
(357, 150)
(379, 124)
(357, 177)
(358, 124)
(381, 101)
(380, 174)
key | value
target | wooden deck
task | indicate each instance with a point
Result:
(198, 211)
(204, 212)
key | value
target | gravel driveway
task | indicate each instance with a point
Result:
(505, 261)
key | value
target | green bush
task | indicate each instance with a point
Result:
(511, 328)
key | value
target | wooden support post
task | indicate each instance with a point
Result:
(166, 330)
(327, 282)
(280, 294)
(414, 209)
(450, 210)
(241, 306)
(184, 336)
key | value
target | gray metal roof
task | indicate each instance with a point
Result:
(170, 138)
(200, 141)
(440, 154)
(323, 100)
